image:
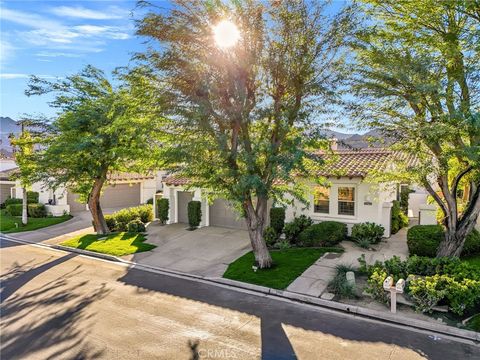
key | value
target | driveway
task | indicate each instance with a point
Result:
(206, 251)
(80, 223)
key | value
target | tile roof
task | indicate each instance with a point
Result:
(342, 163)
(126, 176)
(6, 175)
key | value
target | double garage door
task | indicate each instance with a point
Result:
(221, 214)
(118, 196)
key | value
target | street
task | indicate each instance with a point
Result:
(56, 305)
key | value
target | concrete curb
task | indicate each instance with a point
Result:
(279, 294)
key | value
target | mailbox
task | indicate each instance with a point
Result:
(400, 286)
(388, 283)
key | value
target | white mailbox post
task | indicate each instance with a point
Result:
(398, 288)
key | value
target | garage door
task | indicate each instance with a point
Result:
(184, 197)
(75, 205)
(5, 190)
(221, 214)
(121, 195)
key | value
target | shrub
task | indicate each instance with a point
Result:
(36, 210)
(364, 243)
(293, 229)
(404, 194)
(149, 201)
(398, 218)
(111, 222)
(124, 216)
(327, 233)
(472, 244)
(283, 244)
(277, 219)
(423, 240)
(270, 236)
(427, 292)
(162, 210)
(339, 284)
(145, 213)
(194, 213)
(136, 226)
(368, 231)
(32, 197)
(15, 209)
(11, 201)
(375, 285)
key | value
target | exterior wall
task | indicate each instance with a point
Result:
(148, 188)
(7, 164)
(5, 190)
(369, 202)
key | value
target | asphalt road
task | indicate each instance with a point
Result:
(56, 305)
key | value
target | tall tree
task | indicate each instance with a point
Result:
(242, 112)
(416, 77)
(100, 128)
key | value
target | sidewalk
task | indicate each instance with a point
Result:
(315, 279)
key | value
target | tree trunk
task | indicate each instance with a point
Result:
(24, 207)
(95, 209)
(256, 224)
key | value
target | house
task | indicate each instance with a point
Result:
(124, 190)
(348, 198)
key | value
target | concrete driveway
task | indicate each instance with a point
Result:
(206, 251)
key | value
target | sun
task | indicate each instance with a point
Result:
(226, 34)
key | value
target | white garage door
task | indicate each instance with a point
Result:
(221, 214)
(121, 195)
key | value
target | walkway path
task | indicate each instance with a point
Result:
(315, 279)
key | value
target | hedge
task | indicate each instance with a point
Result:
(15, 209)
(423, 240)
(194, 213)
(36, 210)
(11, 201)
(162, 210)
(327, 233)
(277, 219)
(294, 228)
(136, 226)
(32, 197)
(122, 217)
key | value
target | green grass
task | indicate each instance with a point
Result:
(474, 323)
(117, 244)
(473, 260)
(288, 265)
(7, 222)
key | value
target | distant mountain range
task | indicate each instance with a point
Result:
(345, 141)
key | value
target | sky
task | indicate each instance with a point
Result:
(57, 38)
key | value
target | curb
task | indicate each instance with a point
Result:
(279, 294)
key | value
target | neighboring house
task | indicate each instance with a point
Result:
(348, 198)
(124, 190)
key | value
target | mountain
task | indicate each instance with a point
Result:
(7, 127)
(331, 134)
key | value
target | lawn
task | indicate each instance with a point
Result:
(7, 222)
(288, 265)
(117, 244)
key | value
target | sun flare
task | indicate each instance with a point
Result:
(226, 34)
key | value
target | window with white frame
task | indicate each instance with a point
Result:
(321, 200)
(346, 200)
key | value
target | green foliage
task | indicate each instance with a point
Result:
(194, 213)
(368, 231)
(10, 201)
(375, 285)
(162, 210)
(423, 240)
(120, 219)
(136, 226)
(32, 197)
(326, 233)
(404, 194)
(398, 218)
(111, 222)
(294, 228)
(36, 210)
(474, 323)
(472, 244)
(149, 201)
(11, 224)
(364, 243)
(270, 236)
(283, 244)
(277, 219)
(429, 280)
(339, 284)
(145, 212)
(15, 209)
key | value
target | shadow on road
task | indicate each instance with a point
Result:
(56, 311)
